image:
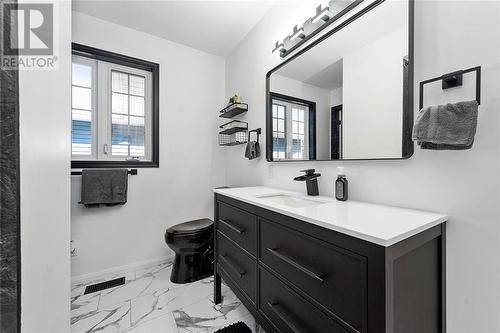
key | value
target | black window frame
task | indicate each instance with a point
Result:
(312, 123)
(154, 68)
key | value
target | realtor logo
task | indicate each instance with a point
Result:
(28, 36)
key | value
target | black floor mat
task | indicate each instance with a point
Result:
(239, 327)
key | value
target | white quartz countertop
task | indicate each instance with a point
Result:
(379, 224)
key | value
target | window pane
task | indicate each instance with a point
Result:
(128, 132)
(82, 75)
(119, 150)
(81, 132)
(137, 85)
(119, 103)
(137, 136)
(301, 115)
(119, 135)
(119, 82)
(281, 112)
(281, 125)
(137, 106)
(118, 119)
(81, 98)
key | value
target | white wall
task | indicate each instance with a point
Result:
(287, 86)
(45, 126)
(463, 184)
(336, 97)
(374, 72)
(191, 163)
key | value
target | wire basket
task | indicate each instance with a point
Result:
(234, 139)
(233, 127)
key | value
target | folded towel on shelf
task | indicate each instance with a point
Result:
(446, 127)
(104, 187)
(253, 150)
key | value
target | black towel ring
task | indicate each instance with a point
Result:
(258, 131)
(454, 79)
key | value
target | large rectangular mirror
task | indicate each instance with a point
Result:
(348, 95)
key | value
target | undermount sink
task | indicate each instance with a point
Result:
(290, 201)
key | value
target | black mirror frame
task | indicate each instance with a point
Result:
(407, 142)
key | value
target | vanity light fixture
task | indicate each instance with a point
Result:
(324, 16)
(277, 46)
(321, 15)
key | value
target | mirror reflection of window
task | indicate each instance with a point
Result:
(290, 129)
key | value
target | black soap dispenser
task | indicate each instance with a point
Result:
(341, 185)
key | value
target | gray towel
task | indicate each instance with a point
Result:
(446, 127)
(104, 187)
(253, 150)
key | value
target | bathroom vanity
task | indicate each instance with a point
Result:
(303, 264)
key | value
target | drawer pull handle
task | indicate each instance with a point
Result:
(233, 267)
(293, 263)
(228, 224)
(283, 317)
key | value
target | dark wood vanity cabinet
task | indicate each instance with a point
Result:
(296, 277)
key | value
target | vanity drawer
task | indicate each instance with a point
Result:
(239, 225)
(289, 312)
(332, 276)
(239, 266)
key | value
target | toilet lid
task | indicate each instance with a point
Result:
(191, 227)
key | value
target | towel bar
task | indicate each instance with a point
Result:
(257, 130)
(453, 79)
(79, 173)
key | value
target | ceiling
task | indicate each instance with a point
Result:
(212, 26)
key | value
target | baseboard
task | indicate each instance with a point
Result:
(117, 269)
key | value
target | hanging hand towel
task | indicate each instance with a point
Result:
(446, 127)
(253, 150)
(104, 187)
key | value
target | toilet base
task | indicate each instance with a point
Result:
(191, 267)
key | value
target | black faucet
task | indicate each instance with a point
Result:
(311, 179)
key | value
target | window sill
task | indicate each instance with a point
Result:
(76, 164)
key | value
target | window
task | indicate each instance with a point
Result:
(114, 110)
(293, 126)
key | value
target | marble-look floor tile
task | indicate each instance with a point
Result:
(112, 319)
(147, 281)
(167, 300)
(154, 269)
(82, 304)
(160, 278)
(149, 302)
(126, 292)
(205, 316)
(164, 324)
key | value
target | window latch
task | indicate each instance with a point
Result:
(105, 149)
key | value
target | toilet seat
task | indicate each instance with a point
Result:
(191, 228)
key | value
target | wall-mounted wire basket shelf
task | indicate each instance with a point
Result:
(237, 138)
(233, 127)
(233, 109)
